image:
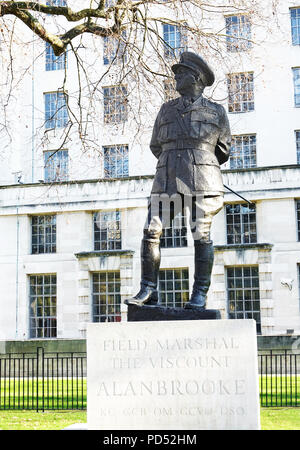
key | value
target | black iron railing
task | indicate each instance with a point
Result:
(43, 381)
(279, 378)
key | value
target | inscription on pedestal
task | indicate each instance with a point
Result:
(173, 375)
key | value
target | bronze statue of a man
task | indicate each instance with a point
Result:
(191, 138)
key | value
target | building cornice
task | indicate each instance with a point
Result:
(93, 253)
(261, 168)
(252, 246)
(70, 182)
(144, 177)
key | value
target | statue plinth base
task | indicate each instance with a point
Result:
(158, 312)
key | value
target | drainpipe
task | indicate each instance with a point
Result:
(17, 271)
(32, 114)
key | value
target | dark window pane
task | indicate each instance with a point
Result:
(42, 308)
(243, 293)
(106, 306)
(174, 292)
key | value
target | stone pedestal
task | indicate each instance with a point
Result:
(153, 313)
(175, 375)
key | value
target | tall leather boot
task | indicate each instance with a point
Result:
(204, 259)
(150, 262)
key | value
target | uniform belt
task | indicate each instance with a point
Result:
(185, 144)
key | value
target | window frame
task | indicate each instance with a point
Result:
(52, 243)
(56, 3)
(295, 40)
(107, 244)
(121, 161)
(240, 105)
(116, 292)
(53, 122)
(169, 233)
(242, 156)
(53, 62)
(117, 53)
(182, 293)
(241, 237)
(113, 102)
(180, 36)
(296, 87)
(250, 288)
(236, 42)
(48, 172)
(297, 208)
(297, 141)
(40, 293)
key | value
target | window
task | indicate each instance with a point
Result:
(174, 287)
(107, 230)
(175, 40)
(42, 300)
(243, 152)
(296, 75)
(116, 161)
(298, 269)
(297, 135)
(298, 217)
(115, 104)
(56, 165)
(240, 92)
(238, 31)
(241, 223)
(243, 294)
(176, 234)
(295, 25)
(54, 62)
(43, 234)
(56, 3)
(56, 113)
(106, 297)
(114, 49)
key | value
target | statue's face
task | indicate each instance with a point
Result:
(185, 79)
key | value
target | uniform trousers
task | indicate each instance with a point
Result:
(198, 210)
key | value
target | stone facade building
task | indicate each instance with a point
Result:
(71, 224)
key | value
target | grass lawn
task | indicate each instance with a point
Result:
(55, 394)
(271, 419)
(48, 420)
(280, 418)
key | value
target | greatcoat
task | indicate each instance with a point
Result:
(190, 143)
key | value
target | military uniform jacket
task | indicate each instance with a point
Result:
(190, 143)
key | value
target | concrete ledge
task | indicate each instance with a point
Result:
(254, 246)
(49, 345)
(103, 253)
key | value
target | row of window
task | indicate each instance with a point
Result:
(242, 292)
(116, 158)
(115, 100)
(240, 229)
(238, 31)
(106, 231)
(238, 38)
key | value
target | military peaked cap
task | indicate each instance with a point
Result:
(198, 65)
